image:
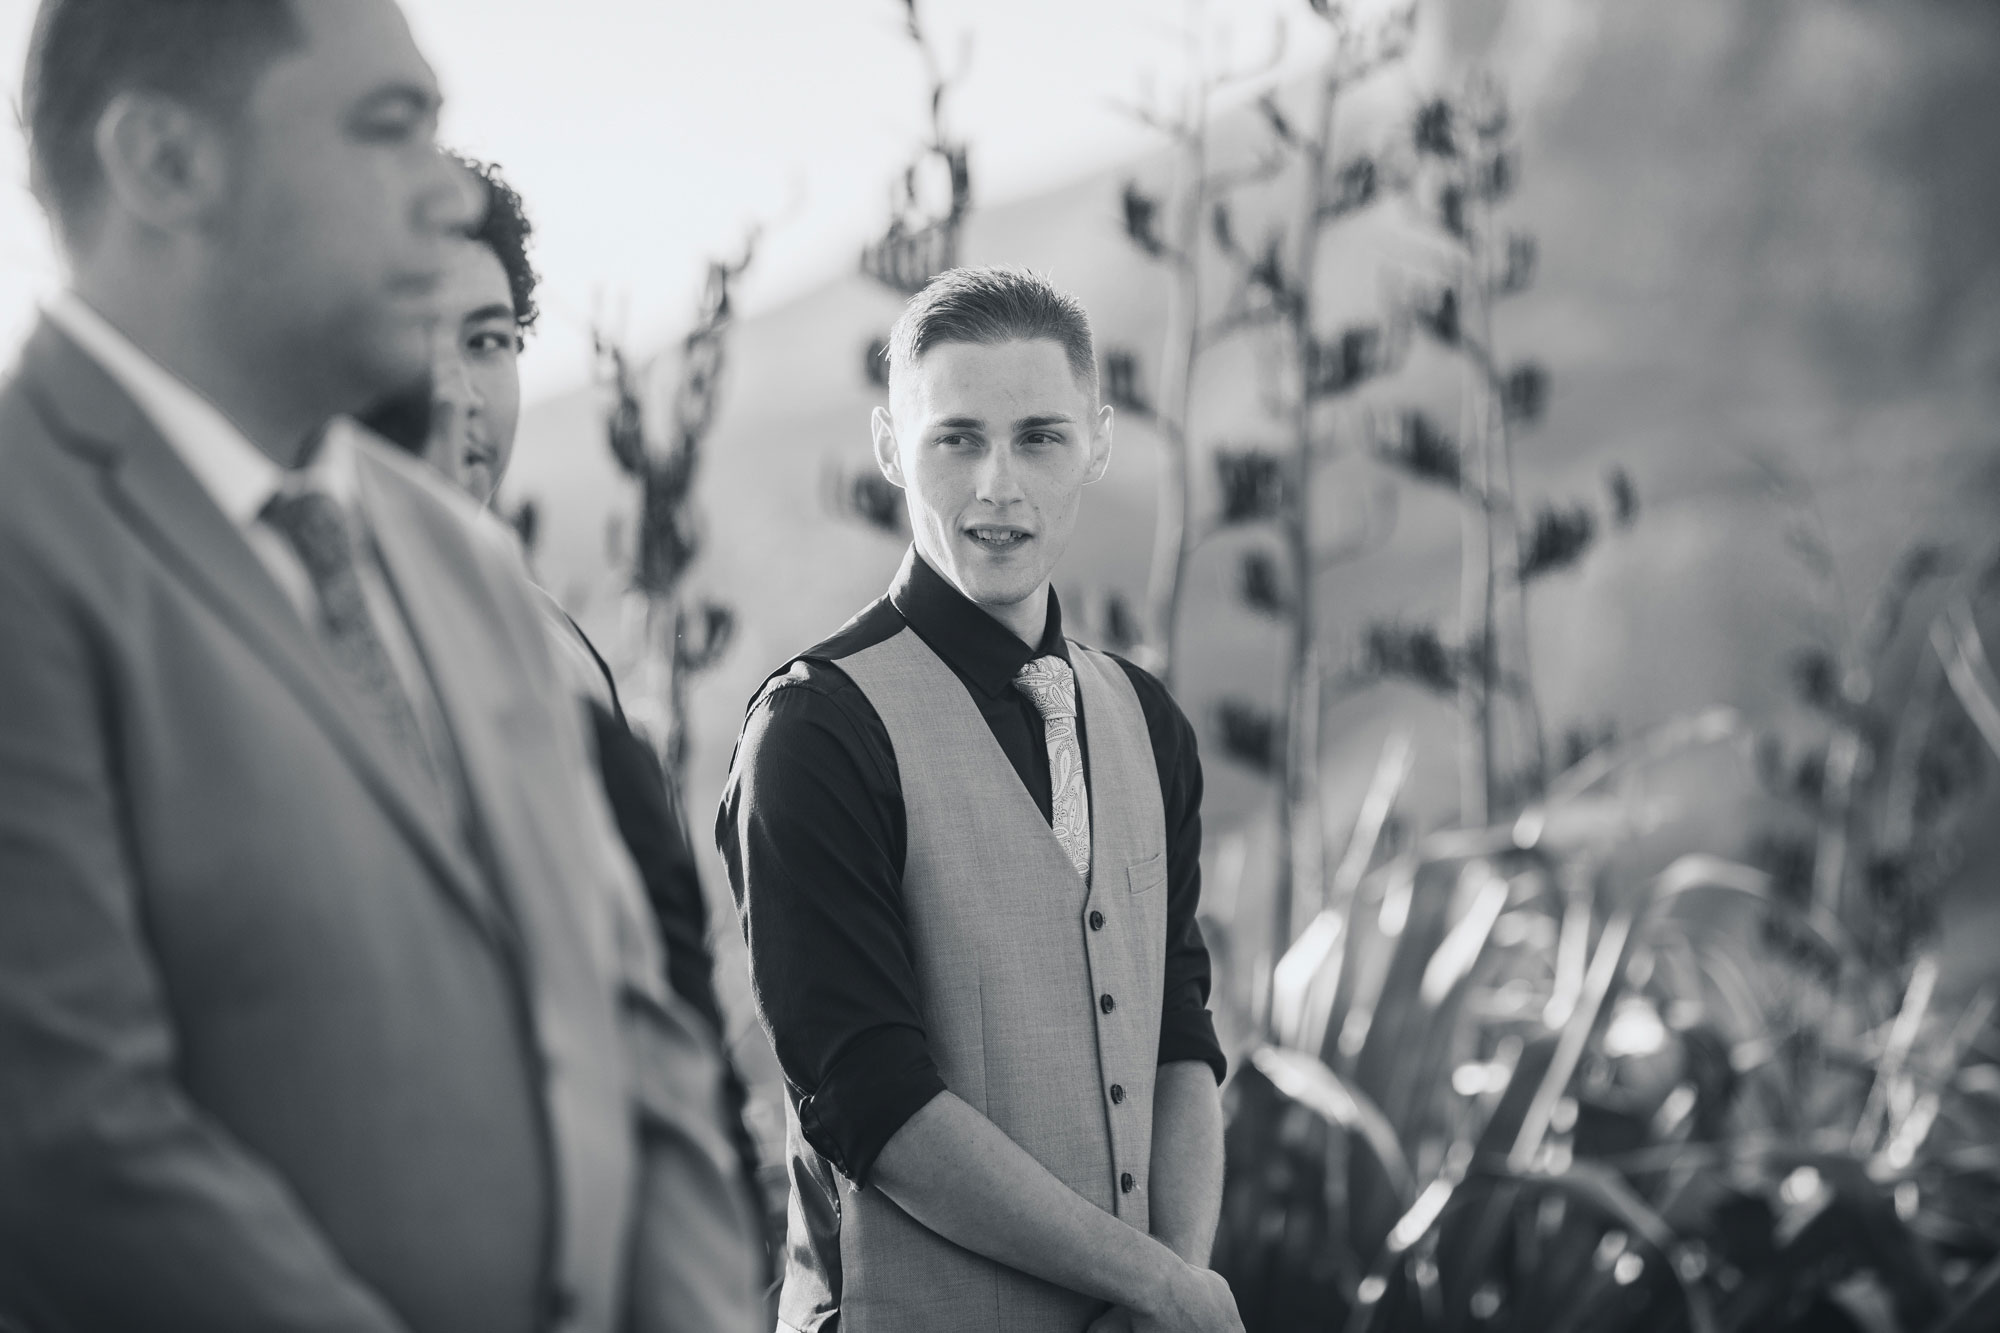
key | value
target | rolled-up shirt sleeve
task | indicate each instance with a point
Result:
(812, 832)
(1187, 1029)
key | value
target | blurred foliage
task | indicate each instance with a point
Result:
(1514, 1083)
(680, 640)
(1249, 734)
(1122, 388)
(1424, 451)
(934, 194)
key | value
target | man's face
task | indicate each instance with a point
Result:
(993, 446)
(475, 376)
(327, 249)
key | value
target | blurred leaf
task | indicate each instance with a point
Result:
(1121, 382)
(1261, 586)
(1605, 1193)
(1356, 182)
(1307, 1080)
(1524, 396)
(1624, 496)
(1434, 134)
(1956, 640)
(1121, 624)
(1413, 653)
(704, 637)
(527, 523)
(1451, 210)
(1252, 485)
(1558, 537)
(1977, 1309)
(1438, 315)
(864, 495)
(1816, 679)
(1517, 273)
(1498, 176)
(1424, 450)
(1249, 734)
(1339, 366)
(1142, 221)
(1274, 116)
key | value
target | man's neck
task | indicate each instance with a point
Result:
(266, 408)
(1027, 619)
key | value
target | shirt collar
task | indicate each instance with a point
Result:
(956, 628)
(238, 476)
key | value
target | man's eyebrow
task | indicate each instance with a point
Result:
(959, 423)
(496, 310)
(1056, 419)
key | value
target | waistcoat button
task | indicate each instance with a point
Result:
(1097, 921)
(1117, 1093)
(1126, 1183)
(1106, 1003)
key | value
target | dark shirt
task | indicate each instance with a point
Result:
(813, 830)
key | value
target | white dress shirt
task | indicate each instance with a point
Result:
(242, 479)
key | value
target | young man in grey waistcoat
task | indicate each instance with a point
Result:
(966, 851)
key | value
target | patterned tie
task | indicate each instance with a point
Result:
(1051, 685)
(317, 530)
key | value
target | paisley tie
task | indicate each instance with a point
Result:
(1051, 685)
(314, 525)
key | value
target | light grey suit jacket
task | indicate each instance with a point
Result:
(280, 1047)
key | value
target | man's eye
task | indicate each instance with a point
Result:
(386, 129)
(491, 343)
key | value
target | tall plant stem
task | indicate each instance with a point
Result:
(1301, 853)
(1475, 592)
(1506, 545)
(1172, 537)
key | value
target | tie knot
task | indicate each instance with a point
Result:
(1050, 685)
(313, 523)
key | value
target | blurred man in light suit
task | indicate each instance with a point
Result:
(326, 997)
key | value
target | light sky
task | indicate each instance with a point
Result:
(646, 135)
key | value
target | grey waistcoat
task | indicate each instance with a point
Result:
(1031, 1013)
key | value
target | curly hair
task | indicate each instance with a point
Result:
(506, 231)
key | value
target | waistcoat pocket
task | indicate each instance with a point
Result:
(1147, 875)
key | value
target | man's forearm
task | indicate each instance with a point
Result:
(1187, 1159)
(957, 1173)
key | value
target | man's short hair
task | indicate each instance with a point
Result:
(988, 306)
(206, 54)
(505, 230)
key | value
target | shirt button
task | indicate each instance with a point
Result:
(1117, 1093)
(1126, 1184)
(1097, 921)
(1106, 1003)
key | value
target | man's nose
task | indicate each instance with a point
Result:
(453, 201)
(998, 479)
(451, 385)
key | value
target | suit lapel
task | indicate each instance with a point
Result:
(168, 508)
(451, 624)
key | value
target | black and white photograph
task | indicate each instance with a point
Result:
(1007, 666)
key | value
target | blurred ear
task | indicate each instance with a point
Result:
(1100, 447)
(163, 164)
(886, 456)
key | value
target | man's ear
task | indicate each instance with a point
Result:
(886, 456)
(1100, 447)
(163, 163)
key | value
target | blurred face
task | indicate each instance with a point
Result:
(475, 376)
(993, 446)
(326, 250)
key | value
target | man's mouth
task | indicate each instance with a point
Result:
(997, 536)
